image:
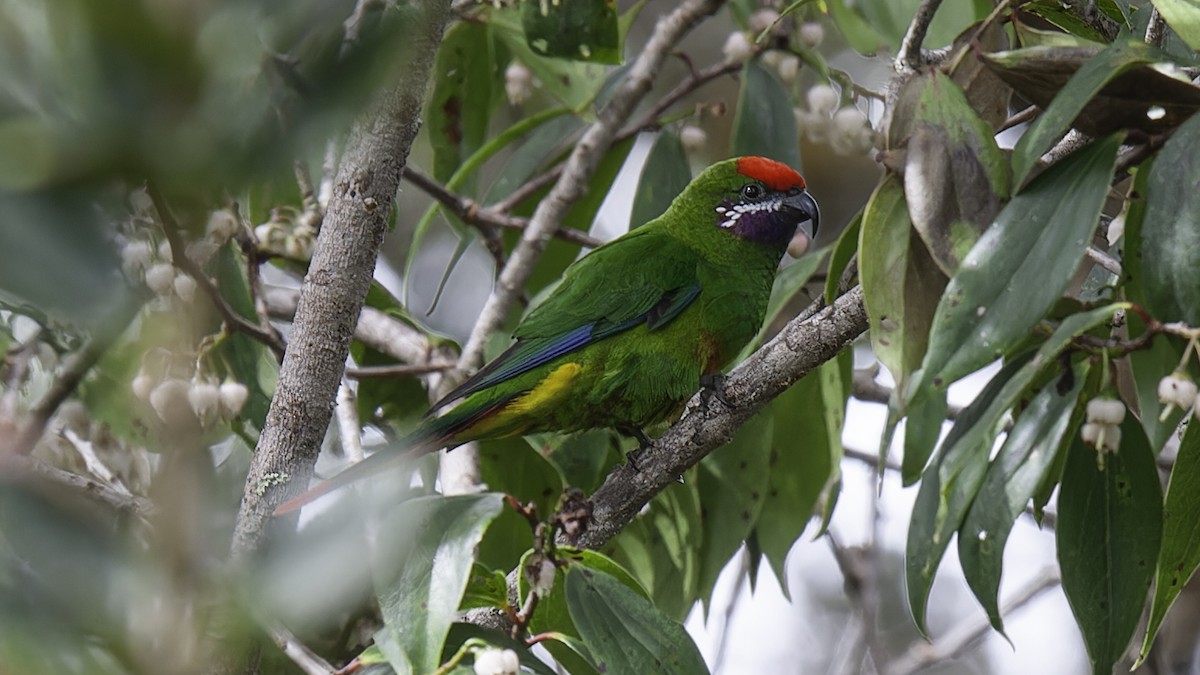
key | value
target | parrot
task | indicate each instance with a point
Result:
(636, 326)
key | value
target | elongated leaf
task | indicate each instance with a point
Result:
(1180, 554)
(1184, 17)
(955, 177)
(953, 477)
(664, 175)
(1041, 432)
(1019, 267)
(922, 430)
(423, 564)
(802, 466)
(661, 548)
(461, 632)
(858, 32)
(1067, 104)
(624, 631)
(461, 101)
(574, 83)
(581, 30)
(843, 252)
(764, 124)
(901, 285)
(731, 496)
(787, 284)
(511, 466)
(1169, 239)
(1108, 535)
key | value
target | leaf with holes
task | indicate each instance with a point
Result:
(581, 30)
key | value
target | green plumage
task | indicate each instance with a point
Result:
(627, 335)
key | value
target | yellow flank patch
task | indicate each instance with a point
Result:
(546, 391)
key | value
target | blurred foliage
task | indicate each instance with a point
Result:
(967, 254)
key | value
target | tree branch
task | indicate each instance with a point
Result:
(804, 343)
(338, 278)
(909, 57)
(578, 170)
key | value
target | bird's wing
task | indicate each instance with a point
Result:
(645, 277)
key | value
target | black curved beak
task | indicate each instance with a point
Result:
(803, 203)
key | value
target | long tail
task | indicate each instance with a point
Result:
(451, 429)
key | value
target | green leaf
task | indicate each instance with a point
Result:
(1068, 103)
(843, 252)
(901, 284)
(662, 548)
(922, 429)
(512, 466)
(664, 175)
(581, 30)
(955, 177)
(460, 105)
(1169, 231)
(953, 477)
(731, 496)
(1042, 431)
(461, 632)
(485, 588)
(764, 124)
(804, 460)
(1180, 554)
(1019, 267)
(1184, 17)
(574, 83)
(858, 32)
(422, 566)
(788, 282)
(1108, 534)
(584, 459)
(625, 632)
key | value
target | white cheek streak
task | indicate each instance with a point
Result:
(733, 213)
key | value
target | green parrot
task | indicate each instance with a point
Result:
(635, 326)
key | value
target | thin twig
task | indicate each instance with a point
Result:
(909, 57)
(89, 488)
(479, 217)
(1020, 118)
(269, 337)
(1156, 29)
(866, 388)
(309, 661)
(349, 427)
(397, 370)
(1104, 260)
(922, 654)
(578, 169)
(75, 368)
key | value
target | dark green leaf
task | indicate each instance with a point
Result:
(625, 632)
(858, 32)
(248, 359)
(1042, 431)
(731, 496)
(1169, 232)
(512, 467)
(843, 252)
(1108, 534)
(788, 282)
(764, 124)
(422, 567)
(664, 175)
(584, 459)
(662, 548)
(1019, 267)
(581, 30)
(460, 105)
(574, 83)
(901, 285)
(461, 632)
(485, 588)
(1058, 115)
(922, 430)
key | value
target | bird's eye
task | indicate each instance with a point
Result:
(752, 192)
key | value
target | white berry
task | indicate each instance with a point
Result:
(142, 385)
(135, 257)
(542, 579)
(185, 287)
(160, 278)
(1177, 389)
(204, 397)
(233, 397)
(221, 226)
(170, 401)
(822, 99)
(693, 138)
(737, 48)
(763, 19)
(788, 68)
(517, 83)
(1105, 411)
(811, 34)
(497, 662)
(815, 126)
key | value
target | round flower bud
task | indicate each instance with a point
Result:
(518, 83)
(772, 57)
(233, 396)
(541, 579)
(693, 138)
(492, 661)
(788, 68)
(136, 257)
(160, 278)
(164, 250)
(815, 126)
(142, 385)
(1177, 389)
(140, 202)
(799, 244)
(1089, 433)
(170, 401)
(1116, 229)
(811, 34)
(185, 287)
(1110, 438)
(763, 19)
(204, 397)
(1105, 411)
(737, 48)
(221, 226)
(822, 99)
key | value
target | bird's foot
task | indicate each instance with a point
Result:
(714, 383)
(643, 440)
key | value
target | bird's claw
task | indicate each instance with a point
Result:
(715, 384)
